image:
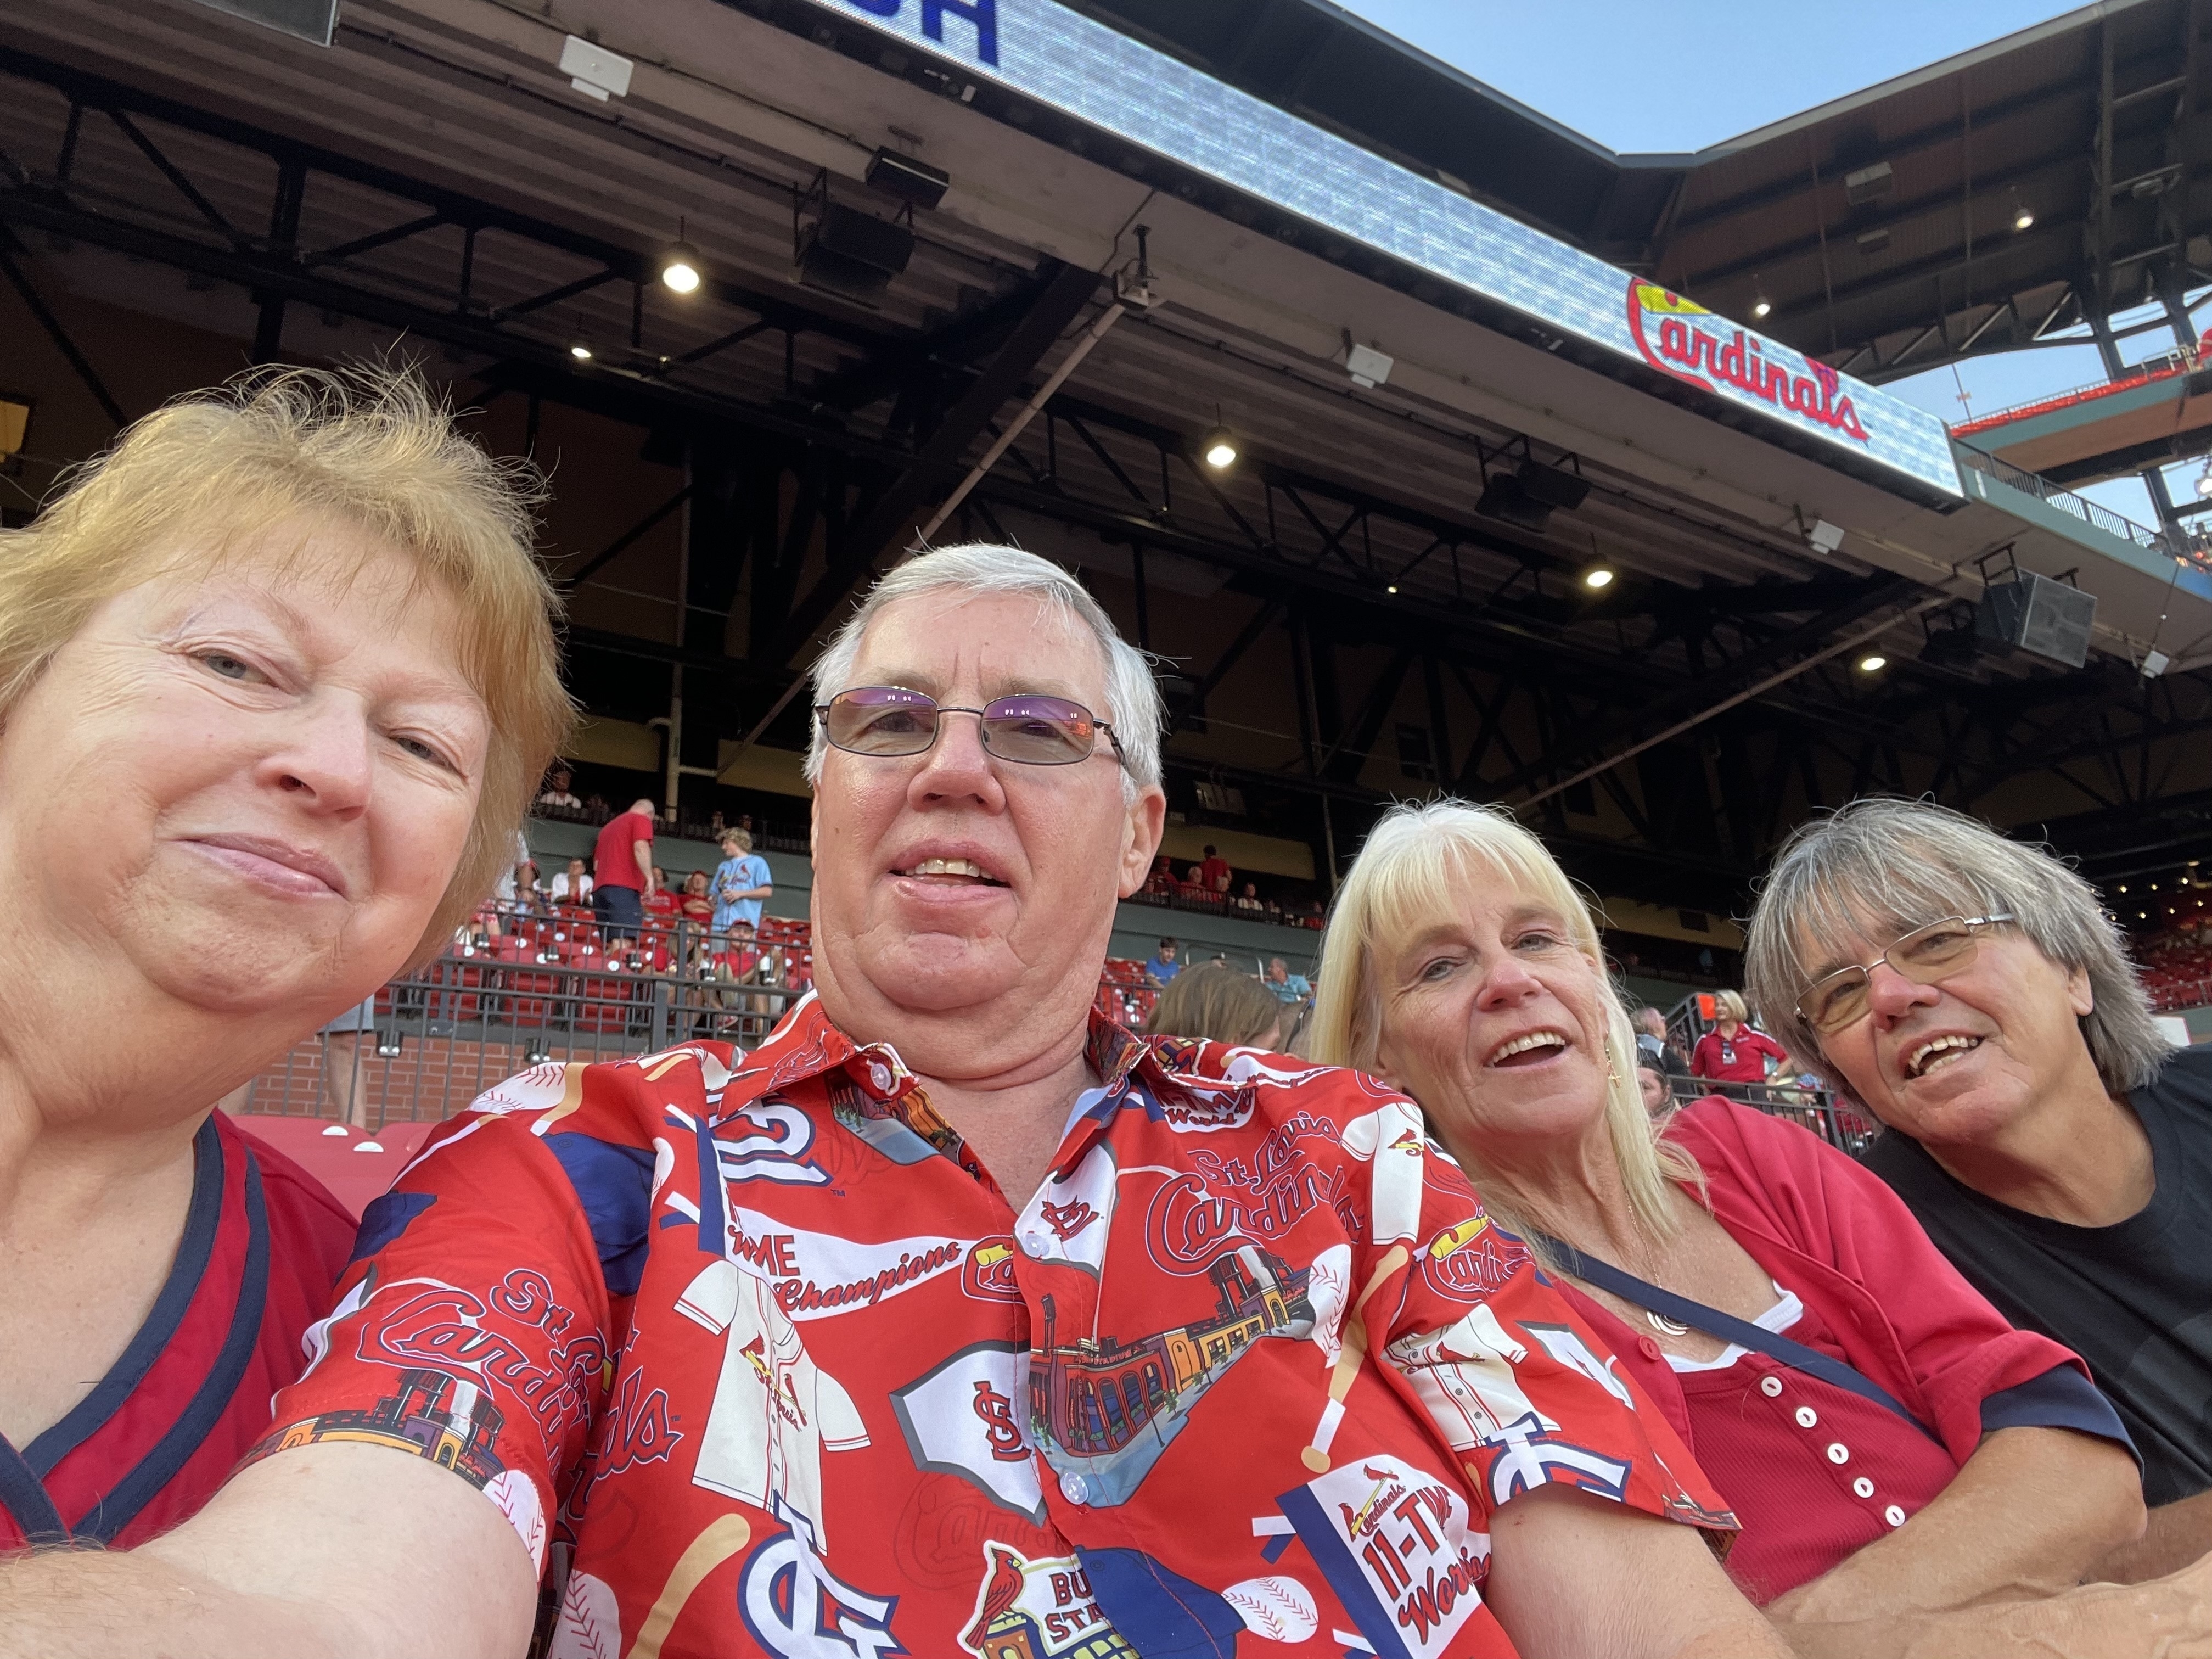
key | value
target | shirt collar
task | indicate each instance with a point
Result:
(807, 1044)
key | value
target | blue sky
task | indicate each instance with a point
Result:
(1651, 77)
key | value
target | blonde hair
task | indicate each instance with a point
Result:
(1404, 875)
(1728, 1004)
(740, 839)
(1214, 1000)
(370, 447)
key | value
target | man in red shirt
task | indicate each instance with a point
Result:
(622, 871)
(1214, 872)
(952, 1321)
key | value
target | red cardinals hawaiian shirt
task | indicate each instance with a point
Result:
(757, 1360)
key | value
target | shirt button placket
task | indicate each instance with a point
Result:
(1770, 1387)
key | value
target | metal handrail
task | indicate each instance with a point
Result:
(2092, 514)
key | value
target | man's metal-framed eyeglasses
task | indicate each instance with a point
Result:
(1922, 955)
(1032, 729)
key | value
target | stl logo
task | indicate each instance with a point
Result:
(1067, 1219)
(999, 1429)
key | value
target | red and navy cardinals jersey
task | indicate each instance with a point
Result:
(263, 1245)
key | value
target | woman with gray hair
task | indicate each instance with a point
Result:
(1971, 992)
(1908, 1468)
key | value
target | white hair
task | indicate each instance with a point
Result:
(1881, 866)
(1133, 697)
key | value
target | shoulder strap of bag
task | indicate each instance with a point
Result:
(1727, 1327)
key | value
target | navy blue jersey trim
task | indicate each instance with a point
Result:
(2060, 1398)
(203, 1220)
(25, 1497)
(159, 1467)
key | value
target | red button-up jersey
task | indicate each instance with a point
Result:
(771, 1366)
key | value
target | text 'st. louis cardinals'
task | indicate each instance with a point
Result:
(757, 1360)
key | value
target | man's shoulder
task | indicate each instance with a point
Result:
(1259, 1087)
(1905, 1164)
(2185, 1080)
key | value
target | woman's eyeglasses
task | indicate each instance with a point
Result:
(1922, 955)
(1035, 730)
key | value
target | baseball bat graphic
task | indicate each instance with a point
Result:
(1348, 1359)
(724, 1537)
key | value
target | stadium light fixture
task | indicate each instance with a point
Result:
(1761, 304)
(1873, 663)
(1219, 449)
(580, 352)
(2022, 216)
(680, 264)
(1597, 576)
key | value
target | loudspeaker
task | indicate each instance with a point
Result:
(854, 253)
(2043, 617)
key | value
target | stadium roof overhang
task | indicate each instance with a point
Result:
(450, 184)
(1882, 229)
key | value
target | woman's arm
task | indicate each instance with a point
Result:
(1575, 1577)
(2179, 1533)
(2030, 1514)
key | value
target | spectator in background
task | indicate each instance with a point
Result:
(1732, 1052)
(1163, 967)
(558, 793)
(1651, 1082)
(574, 884)
(662, 902)
(1972, 991)
(1218, 1003)
(698, 906)
(1214, 873)
(715, 826)
(595, 806)
(622, 871)
(1161, 884)
(741, 881)
(1651, 1044)
(1287, 986)
(1250, 898)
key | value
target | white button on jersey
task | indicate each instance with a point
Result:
(1770, 1387)
(1863, 1486)
(1807, 1417)
(1838, 1452)
(1894, 1516)
(1076, 1490)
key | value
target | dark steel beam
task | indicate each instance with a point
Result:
(20, 281)
(1060, 295)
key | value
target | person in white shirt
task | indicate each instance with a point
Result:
(572, 885)
(558, 793)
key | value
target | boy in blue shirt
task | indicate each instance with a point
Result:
(741, 881)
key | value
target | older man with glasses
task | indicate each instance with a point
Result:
(950, 1321)
(1972, 993)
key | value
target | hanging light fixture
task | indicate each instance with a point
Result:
(1218, 450)
(1761, 304)
(1598, 576)
(680, 264)
(1873, 663)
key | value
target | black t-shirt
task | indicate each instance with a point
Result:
(2134, 1300)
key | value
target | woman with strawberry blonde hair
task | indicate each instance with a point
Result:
(278, 676)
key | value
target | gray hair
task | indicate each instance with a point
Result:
(1133, 697)
(1887, 867)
